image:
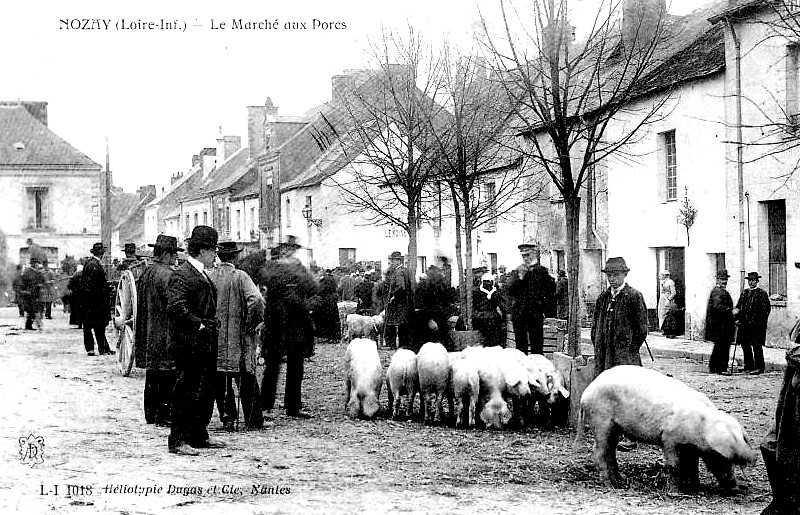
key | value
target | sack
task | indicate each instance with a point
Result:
(794, 332)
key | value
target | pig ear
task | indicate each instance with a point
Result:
(563, 392)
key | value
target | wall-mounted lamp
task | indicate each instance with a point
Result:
(308, 215)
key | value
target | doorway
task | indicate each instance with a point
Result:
(672, 259)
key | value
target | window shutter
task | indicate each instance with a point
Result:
(30, 208)
(45, 193)
(661, 169)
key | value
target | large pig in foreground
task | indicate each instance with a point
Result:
(648, 406)
(364, 377)
(402, 380)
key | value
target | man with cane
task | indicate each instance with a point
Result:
(240, 310)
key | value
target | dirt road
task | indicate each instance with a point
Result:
(100, 457)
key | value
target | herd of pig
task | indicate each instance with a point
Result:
(491, 385)
(494, 386)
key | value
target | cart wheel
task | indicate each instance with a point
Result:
(125, 321)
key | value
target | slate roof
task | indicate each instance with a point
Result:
(25, 141)
(222, 177)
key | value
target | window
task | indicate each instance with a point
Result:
(489, 195)
(288, 212)
(792, 82)
(493, 262)
(667, 167)
(347, 257)
(38, 208)
(422, 263)
(196, 220)
(228, 215)
(238, 225)
(776, 226)
(220, 215)
(205, 217)
(187, 224)
(253, 227)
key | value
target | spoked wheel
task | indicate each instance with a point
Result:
(125, 321)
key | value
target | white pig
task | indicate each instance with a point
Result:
(402, 380)
(646, 405)
(359, 326)
(494, 410)
(433, 368)
(364, 377)
(464, 388)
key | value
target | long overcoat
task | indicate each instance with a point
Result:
(240, 309)
(399, 299)
(287, 321)
(94, 294)
(152, 347)
(533, 295)
(619, 328)
(784, 436)
(754, 308)
(719, 317)
(192, 299)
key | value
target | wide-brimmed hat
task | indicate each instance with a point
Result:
(396, 255)
(527, 247)
(204, 236)
(723, 274)
(166, 243)
(615, 264)
(228, 248)
(289, 244)
(98, 248)
(753, 276)
(129, 248)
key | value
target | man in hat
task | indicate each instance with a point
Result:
(94, 299)
(720, 325)
(191, 311)
(751, 312)
(288, 331)
(620, 320)
(240, 310)
(153, 331)
(488, 316)
(562, 295)
(399, 304)
(532, 292)
(31, 286)
(131, 258)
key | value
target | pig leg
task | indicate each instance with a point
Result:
(722, 469)
(347, 389)
(459, 407)
(438, 416)
(688, 460)
(472, 408)
(606, 437)
(451, 420)
(672, 459)
(394, 403)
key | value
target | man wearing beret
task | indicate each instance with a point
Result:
(532, 291)
(752, 312)
(95, 297)
(152, 331)
(191, 311)
(620, 320)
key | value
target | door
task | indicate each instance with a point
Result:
(672, 259)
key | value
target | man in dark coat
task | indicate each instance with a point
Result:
(620, 320)
(720, 325)
(435, 300)
(17, 286)
(327, 325)
(191, 310)
(752, 312)
(94, 299)
(363, 295)
(152, 332)
(30, 288)
(781, 445)
(399, 304)
(532, 293)
(488, 316)
(72, 297)
(240, 310)
(562, 296)
(288, 331)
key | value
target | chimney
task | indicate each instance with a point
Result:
(208, 157)
(642, 20)
(260, 121)
(227, 145)
(37, 109)
(146, 193)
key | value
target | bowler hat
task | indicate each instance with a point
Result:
(615, 264)
(526, 247)
(723, 274)
(204, 236)
(289, 244)
(129, 248)
(753, 276)
(395, 255)
(226, 248)
(98, 248)
(166, 243)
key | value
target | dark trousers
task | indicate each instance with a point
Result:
(398, 336)
(158, 386)
(720, 355)
(21, 307)
(529, 329)
(249, 396)
(294, 380)
(99, 329)
(31, 318)
(192, 405)
(752, 343)
(48, 309)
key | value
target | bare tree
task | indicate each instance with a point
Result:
(477, 159)
(388, 111)
(567, 95)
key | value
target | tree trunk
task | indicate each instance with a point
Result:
(469, 279)
(572, 212)
(462, 292)
(411, 265)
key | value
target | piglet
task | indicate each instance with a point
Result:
(648, 406)
(363, 379)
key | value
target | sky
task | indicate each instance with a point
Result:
(160, 95)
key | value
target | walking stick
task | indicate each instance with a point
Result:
(649, 351)
(735, 344)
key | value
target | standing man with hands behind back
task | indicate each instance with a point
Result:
(193, 330)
